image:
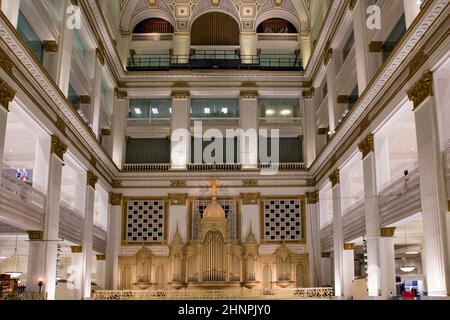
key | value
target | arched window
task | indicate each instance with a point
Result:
(215, 29)
(153, 25)
(276, 25)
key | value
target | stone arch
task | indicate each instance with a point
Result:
(282, 14)
(197, 14)
(215, 28)
(150, 13)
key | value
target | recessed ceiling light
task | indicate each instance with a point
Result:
(412, 252)
(225, 110)
(155, 111)
(137, 110)
(286, 112)
(207, 111)
(270, 112)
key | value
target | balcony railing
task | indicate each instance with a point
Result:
(146, 167)
(283, 166)
(214, 59)
(212, 167)
(22, 189)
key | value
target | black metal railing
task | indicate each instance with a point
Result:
(214, 59)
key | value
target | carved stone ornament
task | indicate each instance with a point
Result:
(50, 46)
(180, 94)
(375, 46)
(366, 146)
(334, 177)
(308, 94)
(5, 62)
(328, 56)
(7, 94)
(421, 90)
(120, 95)
(250, 198)
(352, 5)
(349, 246)
(100, 257)
(35, 235)
(387, 232)
(115, 199)
(249, 94)
(178, 199)
(312, 197)
(92, 179)
(59, 148)
(76, 249)
(215, 3)
(100, 56)
(326, 254)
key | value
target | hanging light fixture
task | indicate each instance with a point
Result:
(15, 264)
(406, 268)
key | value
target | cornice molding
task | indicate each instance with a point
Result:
(328, 56)
(367, 146)
(100, 56)
(7, 94)
(421, 90)
(58, 147)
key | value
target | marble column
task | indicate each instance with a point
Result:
(432, 186)
(338, 234)
(123, 47)
(366, 65)
(326, 269)
(113, 240)
(248, 123)
(75, 272)
(65, 54)
(100, 271)
(313, 236)
(94, 116)
(50, 60)
(249, 45)
(106, 139)
(310, 127)
(305, 47)
(41, 162)
(330, 62)
(52, 209)
(412, 10)
(35, 265)
(7, 95)
(87, 241)
(387, 263)
(372, 216)
(11, 10)
(182, 46)
(180, 131)
(119, 125)
(348, 263)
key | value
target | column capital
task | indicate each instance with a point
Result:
(76, 249)
(85, 99)
(352, 5)
(342, 99)
(178, 199)
(100, 257)
(367, 146)
(100, 56)
(120, 95)
(59, 148)
(250, 198)
(180, 94)
(326, 254)
(5, 62)
(421, 90)
(249, 94)
(375, 46)
(334, 177)
(35, 235)
(92, 179)
(312, 197)
(349, 246)
(106, 131)
(115, 199)
(328, 56)
(7, 94)
(308, 94)
(387, 232)
(50, 46)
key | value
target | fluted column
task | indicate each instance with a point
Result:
(432, 186)
(7, 95)
(372, 216)
(387, 263)
(348, 268)
(94, 116)
(310, 127)
(87, 241)
(76, 271)
(326, 269)
(338, 234)
(35, 264)
(11, 10)
(313, 236)
(119, 125)
(248, 122)
(100, 270)
(305, 46)
(113, 240)
(52, 209)
(180, 130)
(330, 63)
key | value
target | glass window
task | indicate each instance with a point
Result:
(78, 45)
(215, 108)
(30, 37)
(73, 98)
(394, 37)
(279, 108)
(150, 109)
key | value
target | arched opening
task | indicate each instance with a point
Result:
(215, 29)
(213, 257)
(153, 25)
(276, 25)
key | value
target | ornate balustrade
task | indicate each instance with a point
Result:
(23, 296)
(158, 167)
(283, 166)
(146, 167)
(232, 294)
(214, 167)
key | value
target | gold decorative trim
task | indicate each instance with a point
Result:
(250, 183)
(250, 198)
(180, 94)
(76, 249)
(7, 94)
(349, 246)
(367, 146)
(92, 179)
(93, 162)
(308, 94)
(116, 183)
(120, 95)
(352, 5)
(5, 62)
(178, 199)
(342, 99)
(364, 125)
(106, 131)
(100, 56)
(328, 56)
(115, 199)
(100, 257)
(375, 46)
(60, 124)
(334, 177)
(35, 235)
(312, 197)
(50, 46)
(448, 205)
(421, 90)
(59, 148)
(249, 94)
(417, 61)
(387, 232)
(326, 254)
(178, 183)
(85, 99)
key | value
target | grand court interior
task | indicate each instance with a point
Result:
(224, 149)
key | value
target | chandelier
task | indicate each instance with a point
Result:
(15, 264)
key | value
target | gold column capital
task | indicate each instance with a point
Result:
(349, 246)
(421, 90)
(375, 46)
(100, 56)
(308, 94)
(100, 257)
(5, 62)
(7, 94)
(312, 197)
(249, 94)
(178, 199)
(92, 179)
(35, 235)
(120, 95)
(59, 148)
(85, 99)
(250, 198)
(367, 146)
(50, 46)
(387, 232)
(328, 56)
(76, 249)
(326, 254)
(352, 4)
(115, 199)
(334, 177)
(180, 94)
